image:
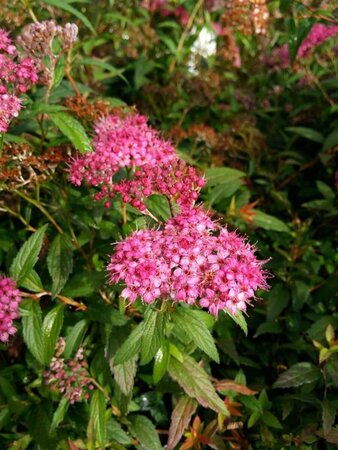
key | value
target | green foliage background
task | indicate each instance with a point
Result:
(267, 142)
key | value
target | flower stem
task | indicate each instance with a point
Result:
(41, 208)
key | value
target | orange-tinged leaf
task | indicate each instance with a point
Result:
(180, 419)
(230, 385)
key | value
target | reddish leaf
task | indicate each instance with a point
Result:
(72, 446)
(180, 419)
(229, 385)
(195, 382)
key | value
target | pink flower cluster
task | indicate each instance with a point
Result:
(173, 179)
(16, 77)
(280, 58)
(10, 106)
(9, 307)
(191, 260)
(119, 143)
(319, 33)
(71, 378)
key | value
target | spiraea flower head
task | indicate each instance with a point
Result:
(280, 57)
(69, 378)
(174, 179)
(191, 262)
(119, 142)
(36, 41)
(10, 106)
(9, 307)
(17, 75)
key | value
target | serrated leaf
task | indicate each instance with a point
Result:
(124, 374)
(239, 319)
(59, 414)
(51, 328)
(32, 282)
(161, 362)
(75, 337)
(195, 383)
(232, 386)
(97, 412)
(144, 431)
(59, 72)
(73, 130)
(131, 346)
(30, 313)
(299, 374)
(180, 418)
(153, 332)
(268, 222)
(27, 256)
(196, 329)
(60, 262)
(115, 432)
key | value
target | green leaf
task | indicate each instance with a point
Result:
(307, 133)
(268, 222)
(222, 175)
(60, 262)
(268, 328)
(30, 313)
(161, 362)
(195, 382)
(73, 130)
(239, 319)
(224, 190)
(51, 328)
(325, 190)
(116, 433)
(297, 35)
(67, 7)
(277, 300)
(196, 329)
(158, 206)
(180, 419)
(271, 420)
(75, 337)
(300, 294)
(59, 72)
(27, 257)
(124, 374)
(97, 413)
(331, 140)
(131, 346)
(112, 71)
(144, 431)
(153, 332)
(299, 374)
(328, 415)
(59, 414)
(32, 282)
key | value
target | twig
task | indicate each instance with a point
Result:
(67, 301)
(41, 208)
